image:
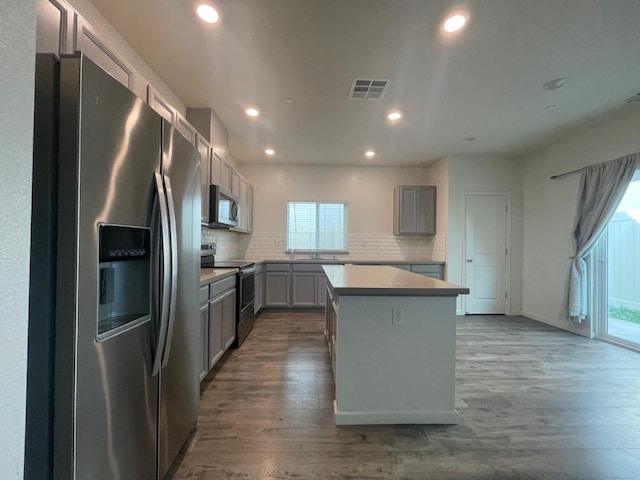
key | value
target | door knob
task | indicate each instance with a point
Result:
(469, 260)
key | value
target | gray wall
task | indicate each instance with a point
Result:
(17, 54)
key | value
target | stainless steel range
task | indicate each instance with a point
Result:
(245, 288)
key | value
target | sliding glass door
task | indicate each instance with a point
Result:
(617, 273)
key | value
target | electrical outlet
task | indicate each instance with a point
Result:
(397, 316)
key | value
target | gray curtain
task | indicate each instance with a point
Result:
(601, 190)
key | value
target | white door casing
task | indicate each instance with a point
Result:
(486, 254)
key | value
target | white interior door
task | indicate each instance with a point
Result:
(486, 253)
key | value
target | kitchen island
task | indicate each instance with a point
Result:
(391, 336)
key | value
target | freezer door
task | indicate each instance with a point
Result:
(105, 397)
(180, 377)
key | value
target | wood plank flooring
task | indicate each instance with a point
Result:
(535, 403)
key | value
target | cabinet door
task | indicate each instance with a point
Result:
(276, 289)
(225, 175)
(429, 270)
(258, 293)
(408, 210)
(235, 182)
(322, 289)
(204, 343)
(215, 330)
(54, 26)
(414, 210)
(304, 290)
(160, 105)
(216, 166)
(205, 165)
(250, 209)
(426, 210)
(244, 200)
(186, 129)
(87, 40)
(229, 319)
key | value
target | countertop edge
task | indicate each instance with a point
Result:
(210, 275)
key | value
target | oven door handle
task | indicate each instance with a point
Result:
(245, 272)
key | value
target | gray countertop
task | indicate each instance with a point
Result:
(208, 275)
(384, 280)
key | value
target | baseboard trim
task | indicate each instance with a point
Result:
(449, 417)
(562, 325)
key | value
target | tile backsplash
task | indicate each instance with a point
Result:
(226, 241)
(361, 246)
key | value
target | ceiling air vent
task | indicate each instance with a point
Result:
(369, 89)
(634, 99)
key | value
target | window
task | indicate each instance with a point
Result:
(316, 226)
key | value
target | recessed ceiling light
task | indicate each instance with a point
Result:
(454, 22)
(269, 151)
(252, 112)
(370, 153)
(288, 100)
(469, 138)
(394, 116)
(554, 84)
(207, 13)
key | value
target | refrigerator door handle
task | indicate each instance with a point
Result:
(166, 274)
(174, 270)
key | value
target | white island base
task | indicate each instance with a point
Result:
(386, 371)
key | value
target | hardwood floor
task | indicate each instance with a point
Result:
(534, 402)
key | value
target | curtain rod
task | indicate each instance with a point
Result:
(573, 172)
(566, 174)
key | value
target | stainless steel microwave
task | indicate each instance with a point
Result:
(223, 208)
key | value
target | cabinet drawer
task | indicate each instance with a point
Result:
(277, 267)
(307, 267)
(426, 268)
(216, 288)
(204, 294)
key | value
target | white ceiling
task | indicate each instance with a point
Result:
(485, 81)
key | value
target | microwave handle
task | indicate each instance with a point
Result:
(234, 211)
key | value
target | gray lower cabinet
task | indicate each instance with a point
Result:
(414, 210)
(228, 319)
(259, 290)
(217, 321)
(276, 289)
(294, 285)
(204, 334)
(214, 345)
(432, 270)
(304, 292)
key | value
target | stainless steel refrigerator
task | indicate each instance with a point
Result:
(113, 385)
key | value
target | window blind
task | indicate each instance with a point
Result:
(316, 226)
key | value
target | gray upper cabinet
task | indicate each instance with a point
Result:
(205, 166)
(54, 28)
(185, 128)
(216, 167)
(160, 105)
(236, 182)
(414, 210)
(245, 195)
(88, 41)
(225, 175)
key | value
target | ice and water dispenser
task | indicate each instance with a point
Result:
(124, 278)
